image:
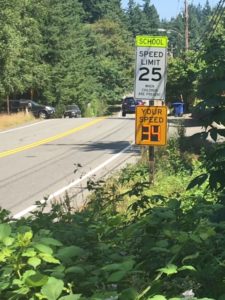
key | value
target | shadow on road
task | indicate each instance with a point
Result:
(114, 147)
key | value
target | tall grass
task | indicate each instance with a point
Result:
(9, 121)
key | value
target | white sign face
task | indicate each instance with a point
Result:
(150, 77)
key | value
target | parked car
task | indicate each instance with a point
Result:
(38, 110)
(139, 102)
(129, 104)
(72, 111)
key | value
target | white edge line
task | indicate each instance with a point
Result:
(72, 184)
(22, 127)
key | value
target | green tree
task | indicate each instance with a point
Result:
(198, 23)
(206, 13)
(212, 84)
(98, 9)
(175, 31)
(113, 49)
(183, 75)
(150, 20)
(11, 48)
(33, 70)
(134, 15)
(61, 31)
(142, 20)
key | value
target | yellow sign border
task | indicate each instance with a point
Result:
(138, 140)
(151, 41)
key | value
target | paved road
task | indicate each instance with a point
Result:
(191, 125)
(39, 160)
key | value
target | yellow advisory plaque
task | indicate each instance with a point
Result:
(151, 41)
(151, 125)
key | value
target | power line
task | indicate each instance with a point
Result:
(209, 31)
(217, 17)
(216, 23)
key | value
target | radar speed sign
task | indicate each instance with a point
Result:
(151, 59)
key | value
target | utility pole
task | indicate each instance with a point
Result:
(186, 26)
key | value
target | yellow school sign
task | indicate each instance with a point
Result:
(151, 41)
(151, 65)
(151, 125)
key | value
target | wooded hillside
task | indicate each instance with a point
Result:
(77, 51)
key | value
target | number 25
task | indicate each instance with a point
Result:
(155, 71)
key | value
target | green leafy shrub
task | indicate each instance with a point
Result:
(133, 241)
(29, 266)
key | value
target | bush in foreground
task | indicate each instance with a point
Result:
(131, 242)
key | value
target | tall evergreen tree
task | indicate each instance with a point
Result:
(60, 27)
(33, 70)
(150, 18)
(134, 17)
(113, 50)
(207, 10)
(97, 9)
(11, 47)
(212, 84)
(142, 20)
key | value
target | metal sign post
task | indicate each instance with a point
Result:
(151, 157)
(150, 84)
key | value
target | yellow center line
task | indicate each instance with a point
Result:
(50, 139)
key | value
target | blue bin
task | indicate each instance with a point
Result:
(178, 109)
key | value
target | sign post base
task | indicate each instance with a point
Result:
(151, 165)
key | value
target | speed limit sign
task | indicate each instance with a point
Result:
(150, 72)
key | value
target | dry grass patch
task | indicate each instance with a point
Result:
(8, 121)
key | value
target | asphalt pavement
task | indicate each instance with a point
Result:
(191, 126)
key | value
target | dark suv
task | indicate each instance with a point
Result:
(38, 110)
(129, 104)
(72, 111)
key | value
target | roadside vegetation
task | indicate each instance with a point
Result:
(130, 241)
(12, 120)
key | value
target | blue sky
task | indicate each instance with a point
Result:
(170, 8)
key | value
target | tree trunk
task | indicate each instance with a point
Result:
(7, 103)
